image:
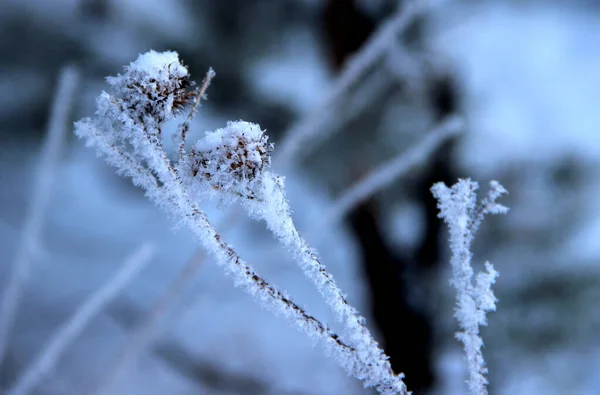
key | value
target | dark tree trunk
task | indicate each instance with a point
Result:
(406, 333)
(406, 330)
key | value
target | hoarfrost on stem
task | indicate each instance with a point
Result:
(459, 209)
(234, 164)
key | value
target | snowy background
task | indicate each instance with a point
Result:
(525, 76)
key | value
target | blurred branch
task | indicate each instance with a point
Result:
(206, 373)
(148, 328)
(387, 173)
(373, 50)
(50, 354)
(194, 368)
(143, 334)
(45, 180)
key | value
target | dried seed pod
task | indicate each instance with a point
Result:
(156, 86)
(232, 159)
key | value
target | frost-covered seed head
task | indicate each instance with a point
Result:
(156, 85)
(232, 158)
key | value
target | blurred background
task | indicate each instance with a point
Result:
(523, 74)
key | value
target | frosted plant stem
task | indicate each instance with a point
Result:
(277, 215)
(44, 182)
(66, 334)
(243, 274)
(387, 173)
(371, 51)
(365, 361)
(458, 207)
(351, 359)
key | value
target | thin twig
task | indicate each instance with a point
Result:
(245, 276)
(72, 328)
(210, 74)
(390, 171)
(45, 180)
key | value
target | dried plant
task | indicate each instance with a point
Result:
(459, 209)
(232, 165)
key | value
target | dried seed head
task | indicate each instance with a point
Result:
(232, 159)
(156, 85)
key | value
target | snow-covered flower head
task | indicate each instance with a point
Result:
(156, 85)
(232, 159)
